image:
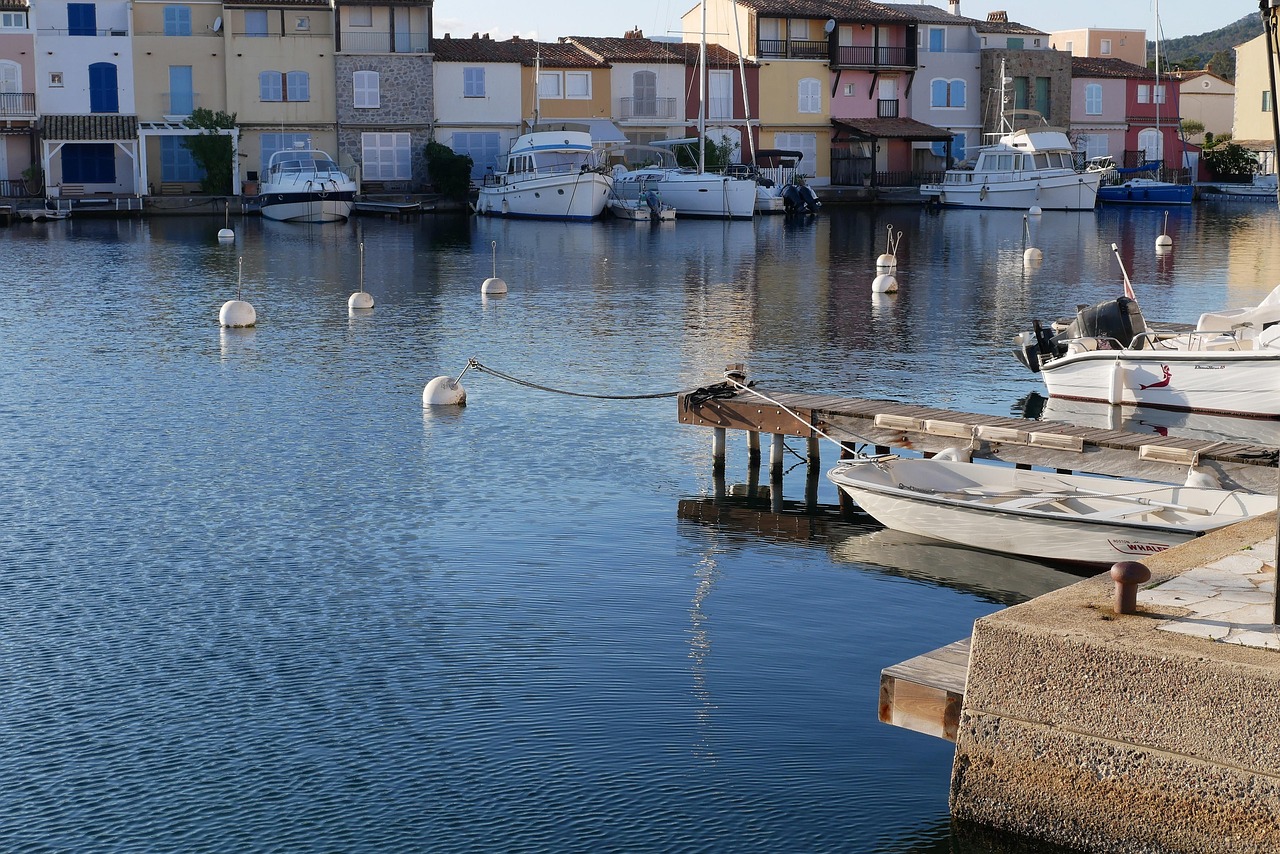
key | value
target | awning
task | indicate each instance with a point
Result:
(98, 127)
(890, 129)
(603, 131)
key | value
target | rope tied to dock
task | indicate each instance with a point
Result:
(485, 369)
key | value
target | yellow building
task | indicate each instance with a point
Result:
(1206, 98)
(1252, 124)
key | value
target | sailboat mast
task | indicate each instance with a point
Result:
(742, 74)
(702, 93)
(537, 89)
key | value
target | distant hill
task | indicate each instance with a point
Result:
(1212, 50)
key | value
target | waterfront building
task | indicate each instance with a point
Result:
(85, 94)
(1251, 121)
(280, 77)
(383, 81)
(1205, 97)
(477, 92)
(1126, 45)
(1040, 77)
(18, 114)
(1125, 111)
(179, 58)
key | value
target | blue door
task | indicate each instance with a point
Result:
(89, 163)
(82, 19)
(104, 95)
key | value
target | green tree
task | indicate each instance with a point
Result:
(1223, 64)
(1229, 161)
(211, 150)
(450, 171)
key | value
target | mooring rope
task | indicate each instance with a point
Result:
(730, 381)
(473, 363)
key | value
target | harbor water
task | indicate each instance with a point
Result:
(255, 597)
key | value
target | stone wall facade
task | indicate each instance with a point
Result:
(1054, 64)
(406, 105)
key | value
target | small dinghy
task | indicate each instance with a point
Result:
(1041, 515)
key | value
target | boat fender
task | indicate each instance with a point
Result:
(959, 455)
(982, 194)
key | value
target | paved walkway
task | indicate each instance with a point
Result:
(1228, 600)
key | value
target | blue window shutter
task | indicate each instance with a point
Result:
(82, 19)
(104, 94)
(938, 93)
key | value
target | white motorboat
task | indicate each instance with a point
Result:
(1228, 364)
(549, 175)
(1040, 515)
(692, 192)
(648, 207)
(305, 185)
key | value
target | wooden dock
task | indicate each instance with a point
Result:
(925, 693)
(889, 425)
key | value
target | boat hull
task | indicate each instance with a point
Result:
(693, 194)
(1065, 191)
(307, 207)
(580, 196)
(995, 509)
(1234, 383)
(1147, 194)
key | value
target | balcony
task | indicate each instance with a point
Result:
(658, 109)
(50, 31)
(362, 41)
(866, 56)
(794, 49)
(887, 109)
(17, 105)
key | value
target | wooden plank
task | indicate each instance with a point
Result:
(924, 694)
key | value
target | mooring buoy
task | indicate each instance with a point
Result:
(1164, 239)
(493, 285)
(361, 299)
(225, 233)
(237, 312)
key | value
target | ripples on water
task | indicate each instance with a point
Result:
(253, 597)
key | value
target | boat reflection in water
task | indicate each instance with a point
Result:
(1001, 579)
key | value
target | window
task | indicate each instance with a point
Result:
(1042, 96)
(1266, 101)
(181, 91)
(799, 29)
(805, 143)
(292, 86)
(1093, 99)
(270, 86)
(1105, 48)
(946, 93)
(13, 20)
(1014, 43)
(1069, 47)
(937, 40)
(644, 94)
(1158, 91)
(366, 88)
(1093, 145)
(484, 149)
(1144, 93)
(771, 29)
(1020, 93)
(549, 85)
(720, 95)
(302, 24)
(386, 156)
(1151, 142)
(273, 142)
(297, 86)
(1036, 42)
(104, 94)
(473, 82)
(577, 84)
(177, 20)
(255, 23)
(176, 162)
(360, 16)
(10, 76)
(810, 96)
(82, 19)
(55, 79)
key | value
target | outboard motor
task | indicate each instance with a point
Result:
(797, 196)
(1119, 319)
(654, 203)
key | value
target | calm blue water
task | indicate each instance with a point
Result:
(253, 598)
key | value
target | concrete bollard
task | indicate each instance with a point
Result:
(1128, 574)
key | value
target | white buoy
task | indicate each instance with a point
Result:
(1035, 210)
(1030, 254)
(1164, 239)
(889, 260)
(959, 455)
(885, 283)
(225, 233)
(361, 299)
(1201, 477)
(494, 285)
(444, 391)
(236, 312)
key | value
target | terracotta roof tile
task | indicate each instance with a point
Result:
(845, 10)
(523, 51)
(894, 129)
(929, 14)
(285, 4)
(1108, 66)
(97, 127)
(14, 5)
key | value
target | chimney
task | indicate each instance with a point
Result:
(955, 7)
(475, 35)
(997, 17)
(636, 33)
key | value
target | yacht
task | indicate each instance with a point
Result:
(549, 175)
(305, 185)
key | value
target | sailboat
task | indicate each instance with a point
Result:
(692, 191)
(1140, 189)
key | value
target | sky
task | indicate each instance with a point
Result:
(547, 21)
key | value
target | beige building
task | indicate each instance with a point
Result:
(1129, 45)
(1252, 124)
(1206, 98)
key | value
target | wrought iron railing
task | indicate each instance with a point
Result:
(648, 108)
(361, 41)
(887, 108)
(18, 105)
(864, 56)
